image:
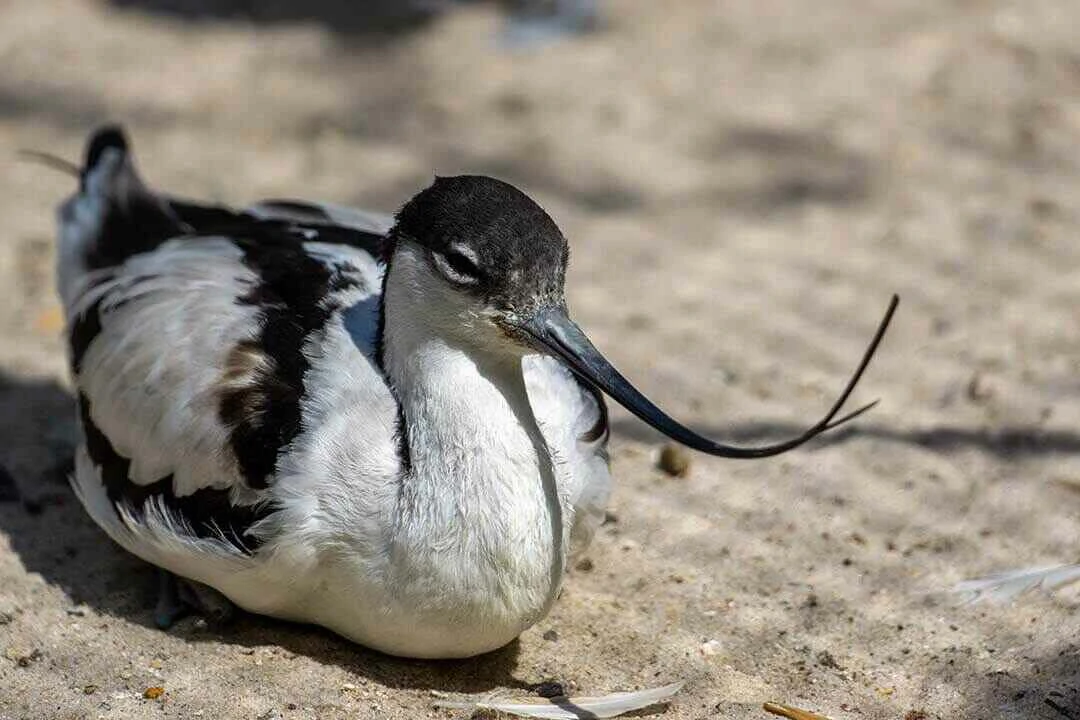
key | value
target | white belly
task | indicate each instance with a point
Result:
(465, 606)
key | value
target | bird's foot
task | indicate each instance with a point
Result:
(178, 596)
(207, 601)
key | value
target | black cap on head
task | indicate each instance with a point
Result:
(520, 253)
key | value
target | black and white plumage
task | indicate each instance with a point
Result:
(389, 427)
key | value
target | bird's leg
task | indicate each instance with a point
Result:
(207, 601)
(178, 596)
(538, 22)
(169, 607)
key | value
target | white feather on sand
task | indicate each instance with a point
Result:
(602, 706)
(1004, 587)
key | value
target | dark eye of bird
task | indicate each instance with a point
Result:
(461, 264)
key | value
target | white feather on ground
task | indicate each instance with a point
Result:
(602, 706)
(1006, 586)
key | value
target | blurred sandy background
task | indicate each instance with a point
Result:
(744, 184)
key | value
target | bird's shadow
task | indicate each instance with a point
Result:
(47, 528)
(370, 20)
(376, 22)
(1048, 690)
(1040, 686)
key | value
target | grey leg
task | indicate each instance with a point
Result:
(169, 607)
(207, 601)
(178, 596)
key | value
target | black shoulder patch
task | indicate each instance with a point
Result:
(84, 328)
(260, 408)
(263, 382)
(315, 227)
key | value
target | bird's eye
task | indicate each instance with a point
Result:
(461, 264)
(457, 266)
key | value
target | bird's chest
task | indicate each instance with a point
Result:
(478, 548)
(475, 543)
(491, 543)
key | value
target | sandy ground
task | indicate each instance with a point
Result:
(744, 184)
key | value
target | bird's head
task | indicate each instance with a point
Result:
(484, 258)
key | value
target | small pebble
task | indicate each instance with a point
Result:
(153, 693)
(551, 636)
(710, 648)
(585, 565)
(674, 460)
(979, 390)
(826, 659)
(23, 659)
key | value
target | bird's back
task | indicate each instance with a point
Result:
(210, 348)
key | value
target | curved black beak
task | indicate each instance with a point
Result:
(552, 330)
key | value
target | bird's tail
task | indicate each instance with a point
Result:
(1006, 586)
(108, 137)
(112, 216)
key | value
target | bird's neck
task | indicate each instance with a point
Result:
(479, 505)
(471, 437)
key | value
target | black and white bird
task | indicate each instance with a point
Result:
(386, 426)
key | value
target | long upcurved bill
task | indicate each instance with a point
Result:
(552, 330)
